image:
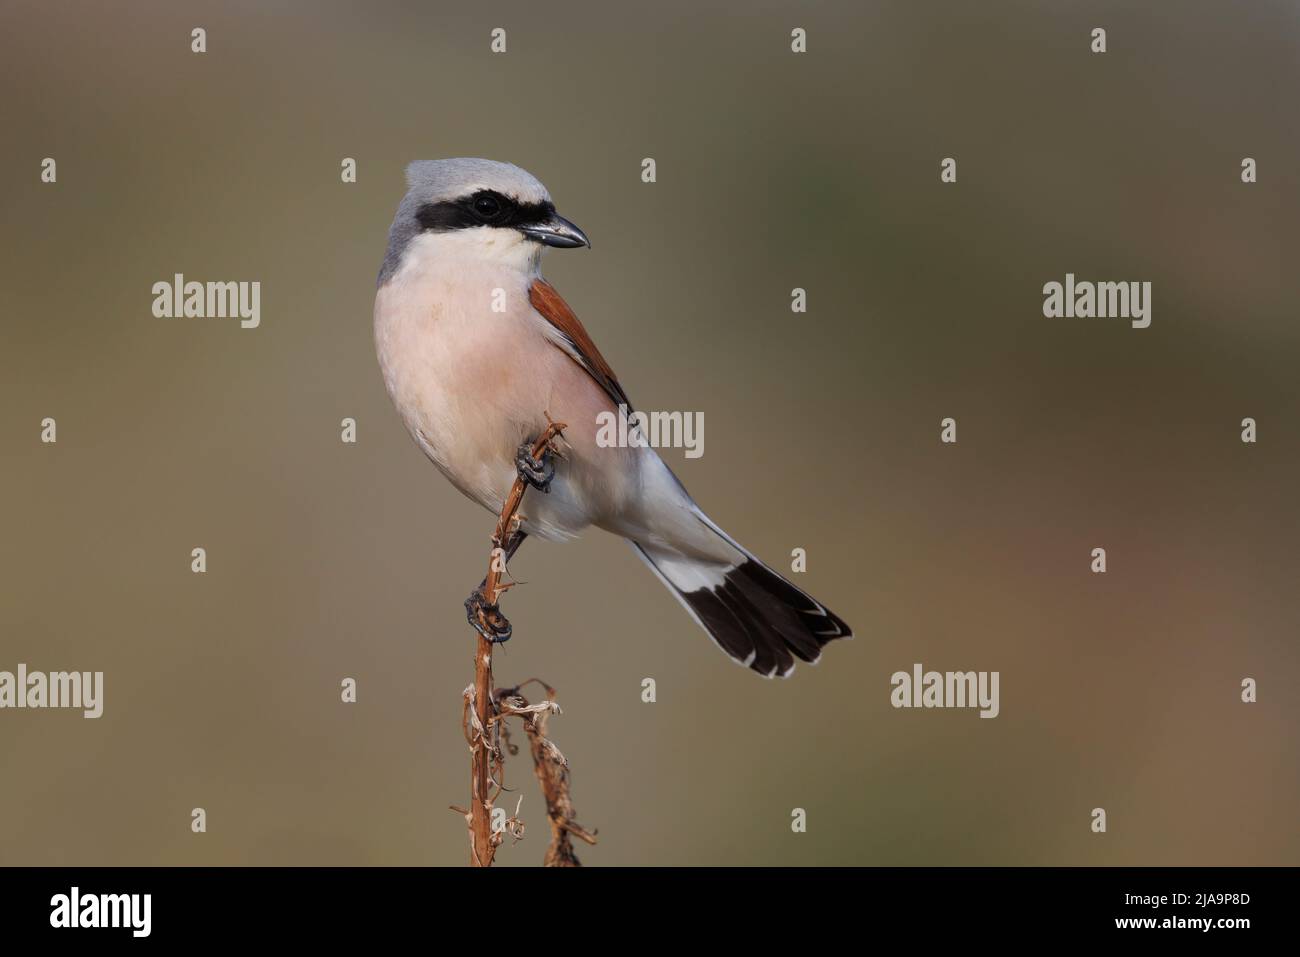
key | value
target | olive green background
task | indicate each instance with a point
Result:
(775, 170)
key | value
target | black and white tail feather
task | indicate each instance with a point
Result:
(753, 614)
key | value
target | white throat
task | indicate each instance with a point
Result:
(471, 253)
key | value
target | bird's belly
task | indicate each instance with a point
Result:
(472, 389)
(439, 371)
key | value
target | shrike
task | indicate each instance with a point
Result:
(477, 350)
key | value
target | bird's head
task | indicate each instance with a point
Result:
(477, 208)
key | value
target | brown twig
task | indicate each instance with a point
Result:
(481, 729)
(552, 770)
(549, 764)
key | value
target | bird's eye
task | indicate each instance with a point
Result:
(487, 206)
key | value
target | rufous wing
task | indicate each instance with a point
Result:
(570, 336)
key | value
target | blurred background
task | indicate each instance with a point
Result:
(775, 171)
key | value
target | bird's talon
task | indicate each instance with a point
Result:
(487, 619)
(536, 472)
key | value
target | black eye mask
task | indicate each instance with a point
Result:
(484, 208)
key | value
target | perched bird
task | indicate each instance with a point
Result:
(479, 353)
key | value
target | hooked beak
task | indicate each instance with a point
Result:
(557, 231)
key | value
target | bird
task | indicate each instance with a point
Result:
(480, 354)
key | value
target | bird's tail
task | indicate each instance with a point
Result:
(753, 614)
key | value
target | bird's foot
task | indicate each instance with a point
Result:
(486, 618)
(536, 472)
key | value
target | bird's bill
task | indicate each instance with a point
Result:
(557, 231)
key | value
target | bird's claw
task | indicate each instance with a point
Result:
(486, 618)
(536, 472)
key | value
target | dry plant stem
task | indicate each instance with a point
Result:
(552, 772)
(483, 752)
(482, 850)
